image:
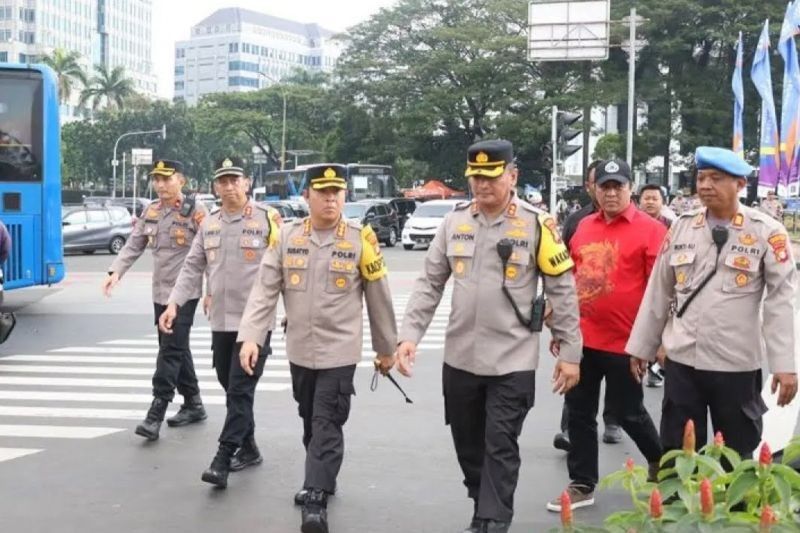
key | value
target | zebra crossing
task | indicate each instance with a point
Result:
(102, 388)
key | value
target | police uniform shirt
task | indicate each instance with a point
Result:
(322, 281)
(229, 249)
(483, 335)
(725, 328)
(169, 236)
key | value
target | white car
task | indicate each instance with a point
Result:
(423, 223)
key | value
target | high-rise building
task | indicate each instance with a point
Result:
(104, 32)
(236, 50)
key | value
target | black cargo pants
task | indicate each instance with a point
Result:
(174, 364)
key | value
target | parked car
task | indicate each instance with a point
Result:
(208, 200)
(422, 225)
(382, 219)
(290, 211)
(404, 207)
(135, 207)
(95, 227)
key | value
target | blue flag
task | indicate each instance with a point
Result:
(769, 159)
(738, 101)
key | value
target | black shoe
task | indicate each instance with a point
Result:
(612, 434)
(476, 525)
(315, 512)
(561, 441)
(300, 495)
(217, 473)
(190, 412)
(493, 526)
(246, 455)
(151, 424)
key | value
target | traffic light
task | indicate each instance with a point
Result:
(565, 133)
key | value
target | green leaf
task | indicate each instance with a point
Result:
(669, 456)
(740, 486)
(784, 490)
(665, 473)
(711, 465)
(684, 466)
(686, 523)
(788, 473)
(732, 456)
(744, 518)
(613, 479)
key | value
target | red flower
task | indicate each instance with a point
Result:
(656, 506)
(629, 464)
(719, 442)
(689, 439)
(706, 498)
(767, 519)
(566, 509)
(765, 456)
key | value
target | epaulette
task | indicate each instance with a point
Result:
(355, 224)
(692, 213)
(463, 205)
(532, 209)
(298, 221)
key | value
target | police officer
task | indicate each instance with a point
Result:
(322, 267)
(228, 249)
(167, 228)
(499, 250)
(704, 299)
(772, 206)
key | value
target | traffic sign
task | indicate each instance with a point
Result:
(142, 156)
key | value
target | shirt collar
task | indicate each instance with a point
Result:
(628, 215)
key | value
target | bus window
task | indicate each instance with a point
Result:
(370, 181)
(21, 126)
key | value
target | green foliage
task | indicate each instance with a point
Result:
(108, 88)
(68, 69)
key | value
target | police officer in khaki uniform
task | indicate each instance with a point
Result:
(167, 228)
(228, 250)
(704, 301)
(772, 206)
(500, 251)
(322, 266)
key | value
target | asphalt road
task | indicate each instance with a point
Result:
(74, 382)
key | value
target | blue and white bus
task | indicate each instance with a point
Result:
(363, 181)
(30, 175)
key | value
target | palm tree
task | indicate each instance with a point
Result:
(109, 87)
(68, 69)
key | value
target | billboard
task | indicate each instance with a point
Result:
(568, 30)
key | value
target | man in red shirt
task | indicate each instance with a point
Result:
(614, 251)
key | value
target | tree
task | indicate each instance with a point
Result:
(68, 69)
(108, 87)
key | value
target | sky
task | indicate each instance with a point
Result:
(173, 20)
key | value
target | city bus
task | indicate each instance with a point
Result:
(363, 181)
(30, 176)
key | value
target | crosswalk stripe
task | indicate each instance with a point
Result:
(129, 360)
(114, 371)
(71, 412)
(195, 346)
(94, 397)
(195, 351)
(56, 432)
(119, 383)
(7, 454)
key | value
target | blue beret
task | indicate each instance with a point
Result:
(721, 159)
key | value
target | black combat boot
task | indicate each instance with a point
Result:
(494, 526)
(190, 412)
(315, 512)
(217, 473)
(151, 424)
(476, 525)
(246, 455)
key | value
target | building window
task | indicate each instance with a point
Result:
(180, 53)
(179, 70)
(178, 85)
(243, 65)
(240, 81)
(3, 57)
(233, 48)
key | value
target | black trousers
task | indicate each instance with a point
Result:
(240, 388)
(733, 398)
(486, 414)
(323, 402)
(174, 364)
(608, 416)
(625, 397)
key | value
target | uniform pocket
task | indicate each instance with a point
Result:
(460, 255)
(295, 273)
(180, 236)
(151, 231)
(211, 246)
(342, 275)
(516, 274)
(741, 274)
(252, 248)
(683, 263)
(346, 391)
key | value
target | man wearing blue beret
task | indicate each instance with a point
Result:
(704, 303)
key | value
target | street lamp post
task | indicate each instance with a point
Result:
(283, 132)
(115, 163)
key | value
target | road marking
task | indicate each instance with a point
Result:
(71, 412)
(119, 383)
(7, 454)
(195, 346)
(98, 397)
(129, 360)
(116, 371)
(144, 351)
(56, 432)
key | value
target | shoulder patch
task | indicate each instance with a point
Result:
(198, 217)
(463, 205)
(372, 265)
(552, 257)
